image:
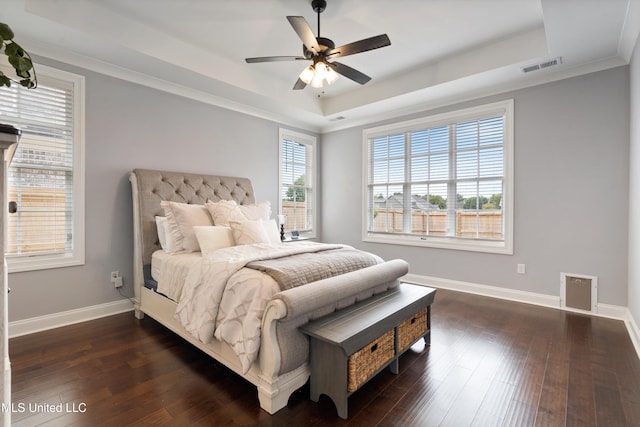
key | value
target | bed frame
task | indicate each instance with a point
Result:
(282, 366)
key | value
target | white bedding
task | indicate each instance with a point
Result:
(170, 271)
(221, 298)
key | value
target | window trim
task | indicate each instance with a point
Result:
(310, 141)
(22, 263)
(449, 242)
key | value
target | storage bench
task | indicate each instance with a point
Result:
(350, 346)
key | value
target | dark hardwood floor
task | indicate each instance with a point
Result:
(491, 363)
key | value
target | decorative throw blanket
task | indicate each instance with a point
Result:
(221, 298)
(296, 270)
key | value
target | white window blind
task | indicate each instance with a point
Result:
(442, 181)
(296, 181)
(43, 180)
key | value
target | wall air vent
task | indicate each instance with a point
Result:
(579, 292)
(550, 63)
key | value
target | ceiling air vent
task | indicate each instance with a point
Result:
(542, 65)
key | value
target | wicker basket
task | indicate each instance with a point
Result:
(366, 361)
(412, 329)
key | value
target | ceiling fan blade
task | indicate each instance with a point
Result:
(303, 30)
(299, 85)
(360, 46)
(274, 59)
(348, 72)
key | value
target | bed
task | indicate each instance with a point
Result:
(280, 365)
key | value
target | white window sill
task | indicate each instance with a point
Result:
(487, 246)
(41, 262)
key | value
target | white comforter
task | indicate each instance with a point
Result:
(221, 298)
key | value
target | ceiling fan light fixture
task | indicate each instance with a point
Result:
(332, 76)
(307, 74)
(317, 81)
(317, 74)
(321, 69)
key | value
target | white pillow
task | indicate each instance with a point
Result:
(224, 211)
(161, 227)
(248, 232)
(182, 217)
(260, 210)
(211, 238)
(167, 241)
(273, 232)
(228, 210)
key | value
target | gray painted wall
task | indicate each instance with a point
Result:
(571, 184)
(634, 191)
(568, 218)
(129, 126)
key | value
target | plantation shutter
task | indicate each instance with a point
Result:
(40, 178)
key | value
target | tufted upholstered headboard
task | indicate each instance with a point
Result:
(150, 187)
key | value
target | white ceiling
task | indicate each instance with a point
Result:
(442, 51)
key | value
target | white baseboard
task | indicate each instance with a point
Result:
(612, 311)
(634, 331)
(485, 290)
(56, 320)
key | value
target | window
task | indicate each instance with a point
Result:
(297, 181)
(443, 181)
(46, 176)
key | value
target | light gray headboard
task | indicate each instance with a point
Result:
(150, 187)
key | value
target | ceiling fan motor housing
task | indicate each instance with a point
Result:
(324, 44)
(318, 5)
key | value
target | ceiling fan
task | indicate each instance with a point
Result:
(320, 50)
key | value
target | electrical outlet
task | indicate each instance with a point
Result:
(116, 279)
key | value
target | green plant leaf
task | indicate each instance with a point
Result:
(20, 64)
(4, 80)
(18, 58)
(28, 83)
(5, 32)
(12, 49)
